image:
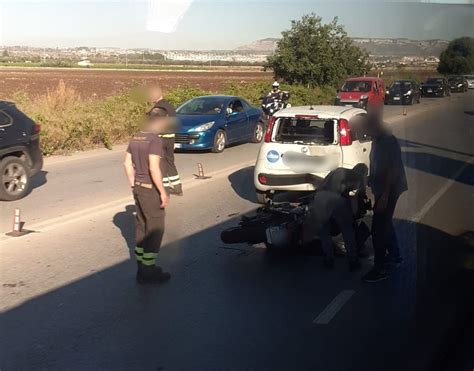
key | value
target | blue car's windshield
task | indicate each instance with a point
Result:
(202, 106)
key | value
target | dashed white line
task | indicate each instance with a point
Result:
(334, 307)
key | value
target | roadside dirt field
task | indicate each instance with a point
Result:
(101, 83)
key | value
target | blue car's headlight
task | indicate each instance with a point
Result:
(203, 127)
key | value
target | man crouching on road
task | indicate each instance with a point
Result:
(143, 166)
(332, 205)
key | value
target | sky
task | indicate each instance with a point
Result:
(217, 24)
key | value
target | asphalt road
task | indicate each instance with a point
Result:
(69, 300)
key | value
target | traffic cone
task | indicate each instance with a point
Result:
(17, 225)
(200, 174)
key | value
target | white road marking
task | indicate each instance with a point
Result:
(113, 205)
(334, 307)
(435, 198)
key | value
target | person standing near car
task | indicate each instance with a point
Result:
(388, 181)
(171, 179)
(144, 165)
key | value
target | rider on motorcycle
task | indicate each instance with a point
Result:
(275, 100)
(276, 91)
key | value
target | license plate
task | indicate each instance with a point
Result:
(396, 98)
(178, 145)
(430, 91)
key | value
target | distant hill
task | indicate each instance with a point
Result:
(402, 47)
(375, 46)
(265, 45)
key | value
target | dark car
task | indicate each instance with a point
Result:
(458, 84)
(213, 122)
(403, 92)
(435, 87)
(20, 154)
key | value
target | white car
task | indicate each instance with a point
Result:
(303, 144)
(470, 81)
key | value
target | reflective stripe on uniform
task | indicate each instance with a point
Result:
(148, 263)
(149, 255)
(149, 258)
(172, 180)
(139, 253)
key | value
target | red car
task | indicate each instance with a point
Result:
(362, 92)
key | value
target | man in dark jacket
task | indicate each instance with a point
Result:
(387, 181)
(332, 205)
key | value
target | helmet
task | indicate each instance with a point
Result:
(276, 84)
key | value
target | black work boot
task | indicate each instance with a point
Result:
(152, 274)
(139, 271)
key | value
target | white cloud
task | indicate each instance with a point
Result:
(165, 15)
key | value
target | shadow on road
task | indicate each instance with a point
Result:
(441, 166)
(438, 165)
(223, 300)
(411, 143)
(241, 182)
(39, 180)
(125, 221)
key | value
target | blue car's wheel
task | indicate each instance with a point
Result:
(220, 141)
(258, 133)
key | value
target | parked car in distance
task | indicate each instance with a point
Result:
(362, 92)
(458, 84)
(470, 81)
(303, 144)
(216, 121)
(403, 92)
(435, 87)
(20, 154)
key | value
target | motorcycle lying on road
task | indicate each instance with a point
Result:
(280, 226)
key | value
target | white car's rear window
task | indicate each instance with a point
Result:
(318, 131)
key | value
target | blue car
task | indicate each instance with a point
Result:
(216, 121)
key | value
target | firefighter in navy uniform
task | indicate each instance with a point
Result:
(144, 165)
(171, 179)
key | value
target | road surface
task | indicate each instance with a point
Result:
(69, 300)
